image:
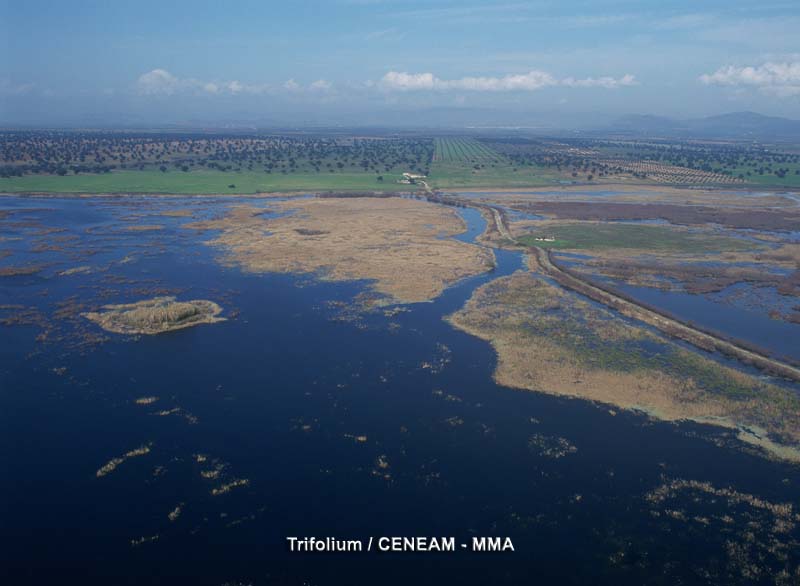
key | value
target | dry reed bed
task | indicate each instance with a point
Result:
(402, 245)
(551, 341)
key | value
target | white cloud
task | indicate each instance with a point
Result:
(781, 79)
(531, 81)
(321, 85)
(158, 82)
(395, 80)
(603, 82)
(234, 87)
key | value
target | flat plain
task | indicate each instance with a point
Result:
(360, 334)
(239, 163)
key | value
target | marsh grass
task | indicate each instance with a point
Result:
(599, 236)
(552, 341)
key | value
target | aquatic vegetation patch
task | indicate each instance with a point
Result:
(54, 328)
(552, 341)
(175, 513)
(81, 270)
(759, 535)
(144, 228)
(229, 486)
(177, 213)
(381, 469)
(14, 314)
(553, 447)
(144, 540)
(441, 358)
(600, 236)
(446, 396)
(212, 468)
(394, 243)
(179, 412)
(114, 463)
(146, 400)
(155, 316)
(696, 278)
(21, 271)
(732, 217)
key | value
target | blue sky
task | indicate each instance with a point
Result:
(353, 61)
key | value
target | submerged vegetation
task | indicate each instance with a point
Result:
(758, 533)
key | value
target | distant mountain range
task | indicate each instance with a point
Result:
(553, 122)
(736, 125)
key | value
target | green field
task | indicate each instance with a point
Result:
(769, 179)
(465, 162)
(201, 182)
(276, 164)
(632, 236)
(460, 150)
(458, 163)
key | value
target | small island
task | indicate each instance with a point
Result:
(155, 316)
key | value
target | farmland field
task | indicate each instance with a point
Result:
(654, 162)
(118, 162)
(461, 150)
(752, 175)
(202, 163)
(202, 182)
(466, 162)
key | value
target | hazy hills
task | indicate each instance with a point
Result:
(736, 125)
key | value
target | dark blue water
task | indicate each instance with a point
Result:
(779, 337)
(280, 392)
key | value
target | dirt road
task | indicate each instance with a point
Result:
(667, 324)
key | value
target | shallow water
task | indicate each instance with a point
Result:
(740, 311)
(281, 392)
(736, 320)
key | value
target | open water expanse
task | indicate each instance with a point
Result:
(298, 416)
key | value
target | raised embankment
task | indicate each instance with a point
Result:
(665, 323)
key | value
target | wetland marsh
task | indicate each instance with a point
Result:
(312, 409)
